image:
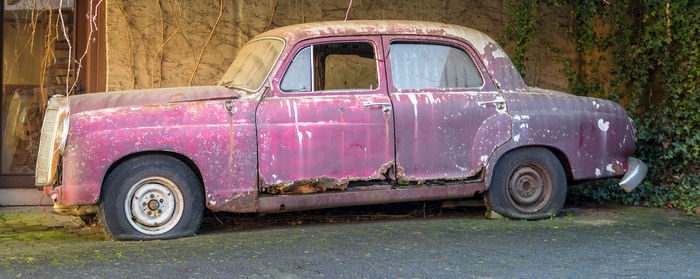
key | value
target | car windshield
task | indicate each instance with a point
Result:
(252, 65)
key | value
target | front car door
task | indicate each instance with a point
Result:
(328, 121)
(449, 115)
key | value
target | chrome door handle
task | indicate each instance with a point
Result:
(498, 102)
(386, 107)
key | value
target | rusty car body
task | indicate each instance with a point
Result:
(331, 114)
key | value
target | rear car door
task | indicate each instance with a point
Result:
(329, 121)
(449, 115)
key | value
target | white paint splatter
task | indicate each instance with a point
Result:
(517, 117)
(609, 168)
(516, 138)
(524, 125)
(413, 99)
(603, 125)
(484, 158)
(597, 172)
(308, 133)
(296, 123)
(430, 98)
(499, 53)
(289, 108)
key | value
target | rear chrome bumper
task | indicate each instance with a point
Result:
(635, 174)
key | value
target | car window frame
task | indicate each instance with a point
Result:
(374, 40)
(487, 85)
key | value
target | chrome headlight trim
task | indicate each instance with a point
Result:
(54, 134)
(62, 132)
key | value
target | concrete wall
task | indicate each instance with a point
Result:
(157, 44)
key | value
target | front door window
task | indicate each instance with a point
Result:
(332, 67)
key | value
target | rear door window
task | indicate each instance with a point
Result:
(432, 66)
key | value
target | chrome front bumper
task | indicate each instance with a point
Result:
(636, 170)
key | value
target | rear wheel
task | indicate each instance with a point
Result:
(151, 197)
(527, 183)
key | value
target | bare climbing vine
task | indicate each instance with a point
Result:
(92, 23)
(129, 38)
(222, 6)
(272, 15)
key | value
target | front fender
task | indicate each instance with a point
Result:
(221, 144)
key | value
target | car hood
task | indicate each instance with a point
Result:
(94, 101)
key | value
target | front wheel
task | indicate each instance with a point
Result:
(527, 183)
(151, 197)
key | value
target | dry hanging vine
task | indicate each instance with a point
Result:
(222, 6)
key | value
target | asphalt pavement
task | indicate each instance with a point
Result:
(413, 240)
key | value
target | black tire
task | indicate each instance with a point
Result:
(527, 183)
(162, 185)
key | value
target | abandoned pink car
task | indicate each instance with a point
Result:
(326, 115)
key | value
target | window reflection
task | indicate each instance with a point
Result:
(35, 66)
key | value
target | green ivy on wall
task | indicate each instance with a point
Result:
(521, 27)
(652, 51)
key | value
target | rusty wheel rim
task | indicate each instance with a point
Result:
(154, 205)
(529, 188)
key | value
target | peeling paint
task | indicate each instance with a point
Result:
(296, 124)
(456, 132)
(603, 125)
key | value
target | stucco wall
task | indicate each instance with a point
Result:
(145, 47)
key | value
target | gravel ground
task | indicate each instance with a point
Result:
(412, 240)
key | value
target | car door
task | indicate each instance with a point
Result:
(449, 116)
(328, 121)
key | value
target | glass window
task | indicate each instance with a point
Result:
(333, 66)
(425, 66)
(250, 68)
(298, 75)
